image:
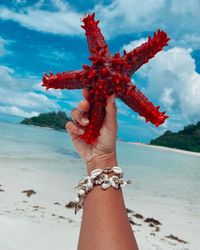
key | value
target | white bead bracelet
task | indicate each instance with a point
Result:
(98, 177)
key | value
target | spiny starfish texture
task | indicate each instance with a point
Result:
(110, 74)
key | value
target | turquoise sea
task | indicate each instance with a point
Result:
(156, 173)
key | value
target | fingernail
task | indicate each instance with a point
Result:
(84, 120)
(81, 131)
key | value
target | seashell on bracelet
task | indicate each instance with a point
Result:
(98, 177)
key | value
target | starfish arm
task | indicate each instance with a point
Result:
(96, 42)
(140, 104)
(65, 80)
(96, 117)
(141, 55)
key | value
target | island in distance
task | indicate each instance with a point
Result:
(186, 139)
(51, 120)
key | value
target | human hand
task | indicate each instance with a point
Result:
(102, 153)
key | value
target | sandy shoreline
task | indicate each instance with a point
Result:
(42, 221)
(166, 148)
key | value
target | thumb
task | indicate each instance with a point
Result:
(111, 113)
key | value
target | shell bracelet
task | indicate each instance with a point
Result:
(98, 177)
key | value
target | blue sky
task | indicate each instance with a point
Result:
(43, 36)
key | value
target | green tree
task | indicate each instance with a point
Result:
(51, 120)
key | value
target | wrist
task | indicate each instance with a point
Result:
(102, 161)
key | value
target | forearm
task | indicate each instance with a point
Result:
(105, 223)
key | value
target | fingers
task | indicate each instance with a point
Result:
(111, 108)
(72, 128)
(111, 113)
(79, 117)
(84, 105)
(85, 93)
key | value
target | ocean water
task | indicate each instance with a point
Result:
(155, 173)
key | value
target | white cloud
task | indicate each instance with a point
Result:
(30, 100)
(118, 17)
(172, 78)
(18, 96)
(125, 16)
(13, 110)
(133, 44)
(51, 92)
(9, 81)
(21, 1)
(190, 7)
(191, 40)
(64, 21)
(3, 50)
(172, 82)
(5, 76)
(190, 96)
(167, 99)
(56, 57)
(130, 17)
(171, 75)
(4, 46)
(73, 104)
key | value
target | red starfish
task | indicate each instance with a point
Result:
(110, 74)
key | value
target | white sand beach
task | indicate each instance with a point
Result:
(42, 221)
(181, 151)
(165, 188)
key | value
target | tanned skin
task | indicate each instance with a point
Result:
(105, 224)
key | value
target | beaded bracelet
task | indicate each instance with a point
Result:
(98, 177)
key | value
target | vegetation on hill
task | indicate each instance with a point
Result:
(186, 139)
(51, 120)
